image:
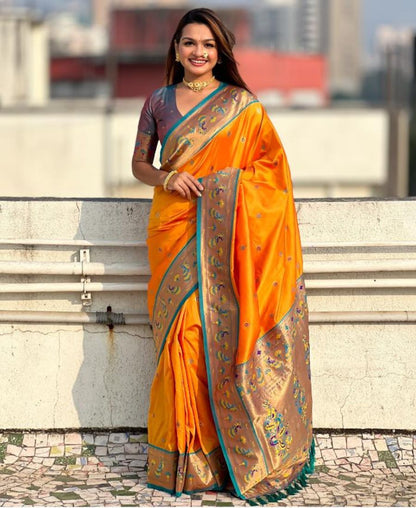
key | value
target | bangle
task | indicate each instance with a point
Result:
(166, 180)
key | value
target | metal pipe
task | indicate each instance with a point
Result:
(19, 316)
(126, 269)
(332, 245)
(72, 287)
(116, 243)
(69, 242)
(77, 287)
(363, 317)
(360, 283)
(360, 265)
(143, 319)
(71, 268)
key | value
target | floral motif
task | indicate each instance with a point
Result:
(276, 431)
(143, 146)
(305, 340)
(300, 401)
(202, 124)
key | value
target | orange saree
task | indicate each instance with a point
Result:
(231, 399)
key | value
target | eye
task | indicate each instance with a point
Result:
(210, 45)
(188, 43)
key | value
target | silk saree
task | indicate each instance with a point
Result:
(230, 404)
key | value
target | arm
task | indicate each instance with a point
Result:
(148, 174)
(183, 183)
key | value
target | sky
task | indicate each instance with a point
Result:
(397, 13)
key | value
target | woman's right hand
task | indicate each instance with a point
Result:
(185, 185)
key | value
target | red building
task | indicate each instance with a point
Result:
(139, 39)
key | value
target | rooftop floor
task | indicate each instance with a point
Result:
(108, 469)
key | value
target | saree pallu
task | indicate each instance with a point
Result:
(230, 403)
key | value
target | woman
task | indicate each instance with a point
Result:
(230, 402)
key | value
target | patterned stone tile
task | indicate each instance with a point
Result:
(368, 444)
(108, 469)
(339, 442)
(73, 438)
(380, 444)
(119, 438)
(88, 439)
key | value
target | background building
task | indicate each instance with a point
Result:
(134, 64)
(101, 8)
(308, 25)
(330, 28)
(395, 54)
(342, 43)
(24, 72)
(333, 28)
(274, 25)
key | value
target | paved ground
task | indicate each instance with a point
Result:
(80, 469)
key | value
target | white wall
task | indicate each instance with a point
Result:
(335, 146)
(88, 153)
(67, 375)
(48, 154)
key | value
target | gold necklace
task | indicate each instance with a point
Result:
(198, 86)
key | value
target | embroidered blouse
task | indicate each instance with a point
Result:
(158, 116)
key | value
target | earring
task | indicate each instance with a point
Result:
(177, 59)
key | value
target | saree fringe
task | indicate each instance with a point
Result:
(298, 484)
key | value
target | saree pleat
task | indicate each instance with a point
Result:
(231, 398)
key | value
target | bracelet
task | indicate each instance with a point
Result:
(166, 180)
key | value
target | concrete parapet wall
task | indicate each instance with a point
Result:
(87, 152)
(62, 261)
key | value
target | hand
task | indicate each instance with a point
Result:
(186, 185)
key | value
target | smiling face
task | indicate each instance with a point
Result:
(197, 51)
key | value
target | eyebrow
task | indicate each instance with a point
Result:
(190, 39)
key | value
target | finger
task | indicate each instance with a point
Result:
(194, 185)
(183, 189)
(195, 190)
(190, 178)
(187, 192)
(185, 185)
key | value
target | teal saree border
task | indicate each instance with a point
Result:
(204, 333)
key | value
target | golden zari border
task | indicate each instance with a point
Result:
(187, 473)
(274, 386)
(262, 409)
(179, 282)
(219, 314)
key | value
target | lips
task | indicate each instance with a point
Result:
(198, 62)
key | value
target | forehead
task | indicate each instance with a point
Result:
(197, 31)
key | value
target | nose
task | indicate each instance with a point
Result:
(200, 50)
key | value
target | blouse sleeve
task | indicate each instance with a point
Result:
(146, 139)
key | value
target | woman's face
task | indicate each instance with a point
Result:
(197, 51)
